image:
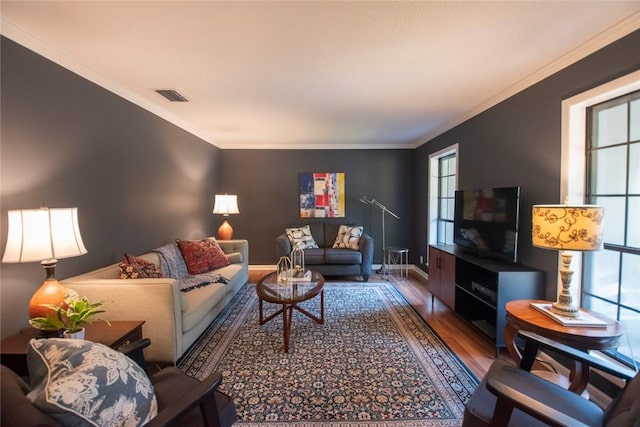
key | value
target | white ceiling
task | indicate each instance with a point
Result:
(317, 74)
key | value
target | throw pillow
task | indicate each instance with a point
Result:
(348, 237)
(78, 382)
(301, 238)
(133, 267)
(202, 256)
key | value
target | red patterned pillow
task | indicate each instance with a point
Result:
(202, 256)
(133, 267)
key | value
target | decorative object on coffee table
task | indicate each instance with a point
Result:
(43, 235)
(567, 228)
(225, 204)
(284, 269)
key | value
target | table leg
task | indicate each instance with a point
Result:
(578, 376)
(510, 333)
(286, 325)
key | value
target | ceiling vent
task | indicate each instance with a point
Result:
(172, 95)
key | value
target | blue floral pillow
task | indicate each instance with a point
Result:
(82, 383)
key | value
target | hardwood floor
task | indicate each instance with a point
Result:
(476, 352)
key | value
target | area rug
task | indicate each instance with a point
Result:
(373, 363)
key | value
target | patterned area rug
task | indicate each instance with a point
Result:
(373, 363)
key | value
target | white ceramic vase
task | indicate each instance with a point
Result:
(79, 335)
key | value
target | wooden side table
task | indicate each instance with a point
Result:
(521, 316)
(120, 333)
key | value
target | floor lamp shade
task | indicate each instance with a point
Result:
(43, 235)
(567, 228)
(225, 204)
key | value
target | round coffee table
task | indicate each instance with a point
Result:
(289, 295)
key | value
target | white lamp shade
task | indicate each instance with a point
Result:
(43, 234)
(226, 204)
(568, 227)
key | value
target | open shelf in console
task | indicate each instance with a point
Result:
(484, 286)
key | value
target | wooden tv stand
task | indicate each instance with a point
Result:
(478, 289)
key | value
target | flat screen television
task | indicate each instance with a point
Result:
(486, 222)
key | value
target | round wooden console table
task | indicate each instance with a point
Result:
(521, 316)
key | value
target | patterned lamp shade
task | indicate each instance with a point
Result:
(568, 227)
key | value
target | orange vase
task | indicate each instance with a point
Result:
(51, 292)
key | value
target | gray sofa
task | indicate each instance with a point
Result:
(173, 319)
(330, 261)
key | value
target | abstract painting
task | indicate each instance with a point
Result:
(322, 195)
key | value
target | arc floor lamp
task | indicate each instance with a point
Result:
(385, 210)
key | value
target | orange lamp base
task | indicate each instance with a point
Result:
(225, 232)
(51, 292)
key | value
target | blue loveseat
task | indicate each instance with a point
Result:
(327, 260)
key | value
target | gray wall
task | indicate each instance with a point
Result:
(266, 182)
(518, 142)
(137, 180)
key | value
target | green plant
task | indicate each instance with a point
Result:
(71, 315)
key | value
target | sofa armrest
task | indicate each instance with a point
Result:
(236, 246)
(366, 248)
(283, 246)
(156, 301)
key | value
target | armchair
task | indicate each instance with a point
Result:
(512, 396)
(182, 400)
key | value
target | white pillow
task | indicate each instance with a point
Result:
(301, 238)
(348, 237)
(82, 383)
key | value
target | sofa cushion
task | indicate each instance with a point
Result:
(78, 382)
(301, 237)
(314, 256)
(198, 302)
(133, 267)
(348, 237)
(342, 256)
(202, 256)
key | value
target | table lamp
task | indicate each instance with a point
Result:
(567, 228)
(226, 205)
(44, 235)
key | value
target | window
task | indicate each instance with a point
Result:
(610, 277)
(443, 168)
(446, 198)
